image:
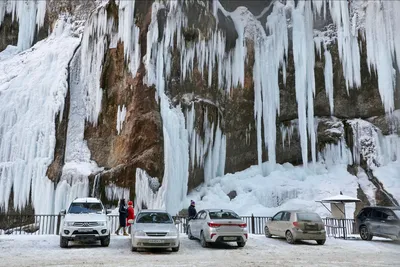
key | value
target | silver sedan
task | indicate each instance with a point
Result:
(154, 229)
(221, 225)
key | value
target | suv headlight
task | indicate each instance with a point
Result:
(140, 233)
(68, 223)
(101, 223)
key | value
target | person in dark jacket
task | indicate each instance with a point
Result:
(192, 210)
(123, 212)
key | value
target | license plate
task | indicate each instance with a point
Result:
(85, 230)
(229, 238)
(156, 241)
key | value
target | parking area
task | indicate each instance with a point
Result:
(25, 250)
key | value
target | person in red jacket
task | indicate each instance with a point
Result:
(131, 214)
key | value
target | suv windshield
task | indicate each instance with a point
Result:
(215, 215)
(154, 217)
(85, 207)
(308, 217)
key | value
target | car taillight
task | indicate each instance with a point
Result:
(214, 225)
(243, 225)
(212, 235)
(296, 224)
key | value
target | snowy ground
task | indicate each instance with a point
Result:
(259, 251)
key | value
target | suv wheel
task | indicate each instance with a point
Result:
(63, 242)
(320, 242)
(289, 237)
(105, 241)
(365, 234)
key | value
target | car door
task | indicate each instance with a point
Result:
(375, 222)
(195, 225)
(274, 223)
(285, 223)
(388, 223)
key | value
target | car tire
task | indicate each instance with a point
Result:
(266, 232)
(176, 249)
(105, 242)
(241, 244)
(321, 242)
(289, 237)
(365, 234)
(133, 249)
(189, 233)
(63, 242)
(203, 241)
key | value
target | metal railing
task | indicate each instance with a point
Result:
(50, 224)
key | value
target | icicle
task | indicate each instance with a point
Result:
(304, 60)
(328, 72)
(121, 114)
(30, 16)
(349, 52)
(128, 33)
(94, 45)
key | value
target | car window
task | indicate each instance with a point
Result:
(221, 215)
(77, 208)
(308, 217)
(203, 215)
(363, 213)
(387, 213)
(277, 217)
(286, 216)
(377, 214)
(154, 217)
(198, 215)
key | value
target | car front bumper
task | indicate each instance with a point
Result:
(79, 233)
(155, 242)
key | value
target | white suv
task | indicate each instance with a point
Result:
(85, 220)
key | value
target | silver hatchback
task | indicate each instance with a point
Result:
(154, 229)
(296, 225)
(221, 225)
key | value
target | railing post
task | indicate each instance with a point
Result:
(252, 223)
(58, 224)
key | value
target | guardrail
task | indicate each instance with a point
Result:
(50, 224)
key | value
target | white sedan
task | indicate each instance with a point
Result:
(221, 225)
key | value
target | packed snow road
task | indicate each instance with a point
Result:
(259, 251)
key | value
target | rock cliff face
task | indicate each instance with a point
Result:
(121, 146)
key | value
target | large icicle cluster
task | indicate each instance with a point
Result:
(208, 152)
(94, 45)
(33, 86)
(30, 16)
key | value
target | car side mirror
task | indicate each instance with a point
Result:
(108, 211)
(63, 212)
(131, 221)
(177, 221)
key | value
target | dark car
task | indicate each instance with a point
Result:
(379, 221)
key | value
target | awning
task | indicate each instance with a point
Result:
(339, 199)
